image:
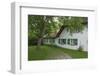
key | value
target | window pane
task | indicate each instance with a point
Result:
(75, 41)
(72, 42)
(68, 41)
(52, 40)
(62, 41)
(59, 41)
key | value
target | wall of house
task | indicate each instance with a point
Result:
(82, 39)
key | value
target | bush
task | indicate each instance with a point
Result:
(80, 48)
(32, 41)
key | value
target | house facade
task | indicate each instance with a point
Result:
(71, 41)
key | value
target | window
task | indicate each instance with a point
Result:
(46, 40)
(62, 41)
(72, 42)
(68, 42)
(52, 40)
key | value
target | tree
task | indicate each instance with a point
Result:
(42, 26)
(73, 24)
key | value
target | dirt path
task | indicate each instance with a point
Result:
(61, 55)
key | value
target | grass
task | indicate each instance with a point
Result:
(46, 52)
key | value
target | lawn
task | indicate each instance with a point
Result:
(47, 52)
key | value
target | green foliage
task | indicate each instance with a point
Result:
(42, 26)
(73, 24)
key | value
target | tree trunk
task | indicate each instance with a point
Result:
(42, 32)
(39, 42)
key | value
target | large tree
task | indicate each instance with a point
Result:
(42, 26)
(73, 24)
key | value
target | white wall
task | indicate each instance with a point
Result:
(82, 39)
(5, 42)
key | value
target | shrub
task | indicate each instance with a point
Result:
(80, 48)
